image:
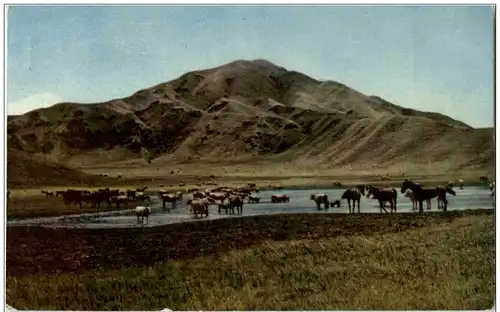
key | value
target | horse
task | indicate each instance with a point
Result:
(320, 199)
(143, 212)
(168, 198)
(441, 191)
(236, 202)
(427, 193)
(461, 183)
(224, 205)
(353, 194)
(484, 179)
(253, 199)
(409, 193)
(119, 199)
(280, 198)
(384, 195)
(198, 206)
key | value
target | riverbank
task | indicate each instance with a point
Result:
(435, 261)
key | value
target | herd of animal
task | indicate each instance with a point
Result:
(231, 199)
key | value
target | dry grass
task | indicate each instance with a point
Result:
(449, 265)
(34, 206)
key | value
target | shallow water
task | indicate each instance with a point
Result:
(468, 198)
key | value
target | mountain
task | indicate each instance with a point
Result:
(251, 111)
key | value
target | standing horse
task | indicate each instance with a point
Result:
(320, 199)
(442, 192)
(461, 183)
(409, 193)
(353, 194)
(426, 193)
(143, 212)
(384, 195)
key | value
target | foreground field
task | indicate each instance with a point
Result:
(304, 261)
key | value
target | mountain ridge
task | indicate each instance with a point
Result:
(253, 110)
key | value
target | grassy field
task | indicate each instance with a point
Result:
(303, 261)
(36, 206)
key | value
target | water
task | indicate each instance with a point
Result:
(468, 198)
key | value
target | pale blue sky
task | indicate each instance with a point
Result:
(433, 58)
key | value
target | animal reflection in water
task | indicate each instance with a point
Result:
(383, 195)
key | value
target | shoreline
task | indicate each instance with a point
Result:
(263, 183)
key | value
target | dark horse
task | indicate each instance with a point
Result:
(427, 193)
(384, 195)
(320, 199)
(353, 194)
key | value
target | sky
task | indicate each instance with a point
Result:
(430, 58)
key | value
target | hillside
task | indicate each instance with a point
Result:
(26, 171)
(251, 111)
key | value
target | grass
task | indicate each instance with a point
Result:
(36, 206)
(446, 262)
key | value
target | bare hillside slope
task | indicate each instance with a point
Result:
(252, 111)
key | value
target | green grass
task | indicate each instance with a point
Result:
(445, 266)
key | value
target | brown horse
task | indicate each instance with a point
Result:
(280, 198)
(236, 202)
(198, 207)
(426, 193)
(354, 194)
(253, 199)
(169, 198)
(384, 195)
(442, 193)
(320, 199)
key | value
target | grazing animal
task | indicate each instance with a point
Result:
(353, 194)
(448, 190)
(280, 198)
(253, 199)
(484, 179)
(320, 199)
(142, 212)
(384, 195)
(335, 203)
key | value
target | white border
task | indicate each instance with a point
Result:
(208, 2)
